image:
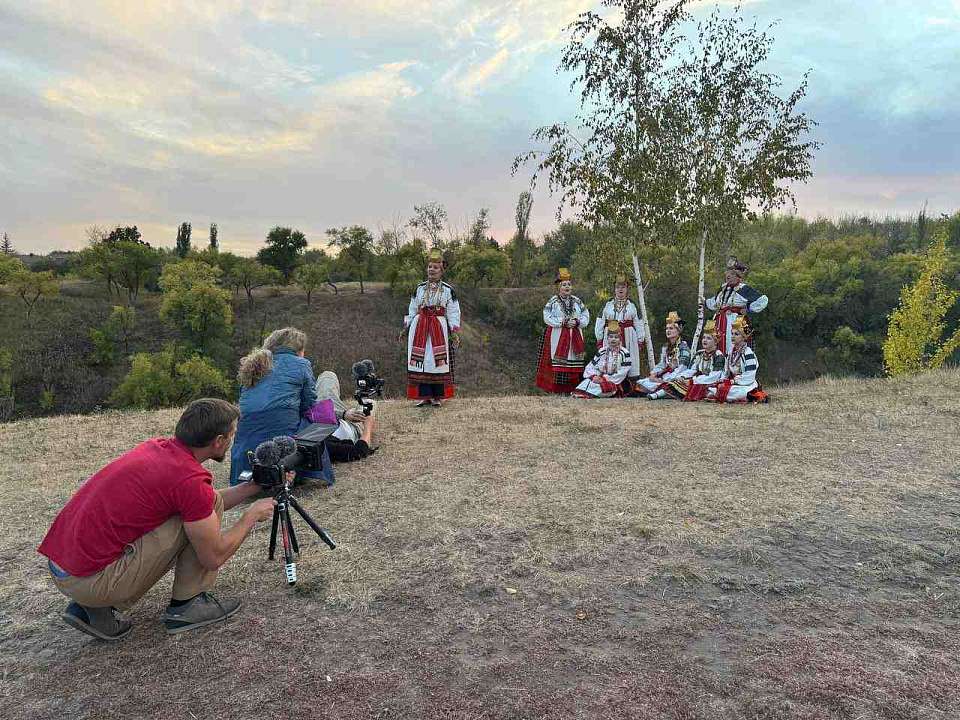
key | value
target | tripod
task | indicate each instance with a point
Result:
(283, 524)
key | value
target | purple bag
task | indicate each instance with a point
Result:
(322, 412)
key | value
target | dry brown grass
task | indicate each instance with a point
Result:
(550, 559)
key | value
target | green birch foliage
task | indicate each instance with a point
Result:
(915, 339)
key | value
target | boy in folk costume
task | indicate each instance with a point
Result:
(622, 310)
(705, 371)
(433, 326)
(561, 362)
(739, 383)
(604, 375)
(734, 299)
(674, 358)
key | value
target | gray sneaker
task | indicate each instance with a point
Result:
(101, 623)
(202, 610)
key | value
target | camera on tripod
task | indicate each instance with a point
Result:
(368, 384)
(269, 464)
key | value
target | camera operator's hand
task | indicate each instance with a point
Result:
(354, 416)
(261, 510)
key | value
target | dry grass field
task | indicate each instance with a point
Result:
(546, 558)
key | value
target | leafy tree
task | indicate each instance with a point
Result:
(9, 266)
(214, 237)
(6, 247)
(915, 339)
(521, 249)
(428, 223)
(251, 274)
(356, 251)
(406, 268)
(283, 251)
(677, 135)
(135, 264)
(311, 276)
(194, 305)
(118, 328)
(228, 264)
(482, 266)
(164, 379)
(479, 233)
(183, 239)
(31, 287)
(120, 234)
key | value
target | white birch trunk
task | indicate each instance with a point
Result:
(700, 308)
(643, 312)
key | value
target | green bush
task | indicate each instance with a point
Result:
(162, 379)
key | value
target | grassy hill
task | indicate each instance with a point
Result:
(525, 557)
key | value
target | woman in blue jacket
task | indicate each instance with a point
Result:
(276, 390)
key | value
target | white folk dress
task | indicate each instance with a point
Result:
(434, 313)
(673, 360)
(729, 302)
(611, 367)
(561, 357)
(631, 330)
(740, 376)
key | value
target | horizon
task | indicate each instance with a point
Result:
(332, 114)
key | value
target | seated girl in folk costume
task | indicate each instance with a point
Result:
(734, 299)
(739, 383)
(433, 326)
(674, 358)
(704, 373)
(624, 312)
(605, 374)
(561, 356)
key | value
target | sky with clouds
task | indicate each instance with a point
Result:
(320, 113)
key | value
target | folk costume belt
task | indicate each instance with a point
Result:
(428, 324)
(570, 338)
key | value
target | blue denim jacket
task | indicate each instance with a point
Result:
(274, 406)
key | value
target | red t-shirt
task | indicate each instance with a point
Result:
(136, 493)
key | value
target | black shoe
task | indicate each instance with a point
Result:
(101, 623)
(199, 612)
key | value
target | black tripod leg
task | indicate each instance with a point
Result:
(313, 524)
(293, 535)
(273, 531)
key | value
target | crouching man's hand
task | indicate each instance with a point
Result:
(261, 510)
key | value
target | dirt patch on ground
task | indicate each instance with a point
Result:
(547, 558)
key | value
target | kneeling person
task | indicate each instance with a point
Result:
(150, 510)
(605, 374)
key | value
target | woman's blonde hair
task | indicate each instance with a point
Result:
(255, 367)
(288, 337)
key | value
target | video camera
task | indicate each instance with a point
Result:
(270, 463)
(274, 458)
(368, 384)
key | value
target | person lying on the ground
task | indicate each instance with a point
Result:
(353, 439)
(152, 509)
(605, 374)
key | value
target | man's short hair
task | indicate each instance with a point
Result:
(204, 420)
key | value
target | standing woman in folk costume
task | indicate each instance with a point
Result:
(674, 359)
(622, 310)
(433, 326)
(561, 362)
(734, 299)
(739, 383)
(605, 374)
(705, 371)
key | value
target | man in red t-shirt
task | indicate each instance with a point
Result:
(150, 510)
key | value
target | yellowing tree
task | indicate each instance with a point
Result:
(915, 335)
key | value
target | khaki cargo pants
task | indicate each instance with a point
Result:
(143, 563)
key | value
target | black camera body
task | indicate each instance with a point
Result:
(368, 384)
(274, 458)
